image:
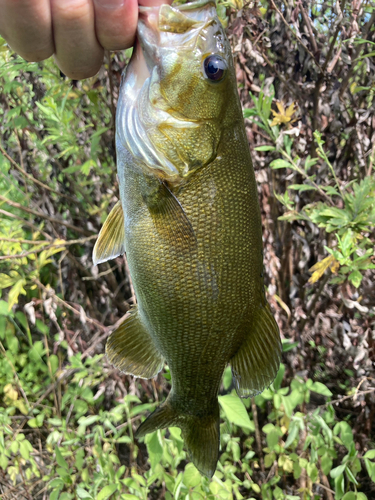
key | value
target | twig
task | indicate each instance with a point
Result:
(29, 242)
(326, 486)
(44, 216)
(96, 341)
(297, 37)
(26, 222)
(309, 29)
(321, 76)
(32, 178)
(348, 75)
(344, 398)
(51, 292)
(372, 157)
(61, 245)
(90, 278)
(257, 433)
(314, 301)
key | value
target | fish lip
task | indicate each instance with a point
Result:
(184, 6)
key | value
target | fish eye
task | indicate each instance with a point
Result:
(214, 68)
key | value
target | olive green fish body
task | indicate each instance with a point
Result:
(190, 224)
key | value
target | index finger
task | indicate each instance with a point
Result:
(116, 21)
(27, 26)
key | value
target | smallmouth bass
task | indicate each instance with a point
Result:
(189, 222)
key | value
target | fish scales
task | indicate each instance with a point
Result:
(192, 225)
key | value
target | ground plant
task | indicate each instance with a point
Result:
(305, 71)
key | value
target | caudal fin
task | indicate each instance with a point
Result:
(200, 433)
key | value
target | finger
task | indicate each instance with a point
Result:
(116, 23)
(77, 50)
(26, 26)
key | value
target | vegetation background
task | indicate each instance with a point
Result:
(306, 76)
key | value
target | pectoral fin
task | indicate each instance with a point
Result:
(255, 365)
(168, 214)
(131, 349)
(111, 239)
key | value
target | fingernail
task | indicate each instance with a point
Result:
(110, 4)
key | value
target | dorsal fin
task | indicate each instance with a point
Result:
(111, 239)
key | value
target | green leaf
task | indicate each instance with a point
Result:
(320, 388)
(191, 476)
(280, 164)
(155, 448)
(326, 464)
(4, 309)
(355, 278)
(370, 466)
(60, 459)
(81, 493)
(312, 472)
(25, 448)
(265, 148)
(292, 433)
(339, 487)
(369, 454)
(361, 496)
(288, 346)
(235, 410)
(279, 377)
(3, 461)
(349, 496)
(301, 187)
(15, 291)
(337, 471)
(106, 492)
(272, 438)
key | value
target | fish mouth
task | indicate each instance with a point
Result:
(180, 6)
(170, 19)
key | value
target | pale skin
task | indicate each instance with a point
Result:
(76, 32)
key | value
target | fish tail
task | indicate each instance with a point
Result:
(201, 433)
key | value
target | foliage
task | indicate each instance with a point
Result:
(351, 247)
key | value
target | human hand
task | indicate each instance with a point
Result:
(76, 31)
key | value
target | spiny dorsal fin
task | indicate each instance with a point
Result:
(111, 239)
(131, 349)
(256, 363)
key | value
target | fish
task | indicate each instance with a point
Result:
(189, 222)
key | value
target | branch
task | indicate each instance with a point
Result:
(309, 29)
(32, 178)
(27, 223)
(357, 52)
(297, 37)
(44, 216)
(61, 245)
(51, 292)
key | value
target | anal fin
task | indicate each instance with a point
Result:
(256, 363)
(131, 349)
(111, 239)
